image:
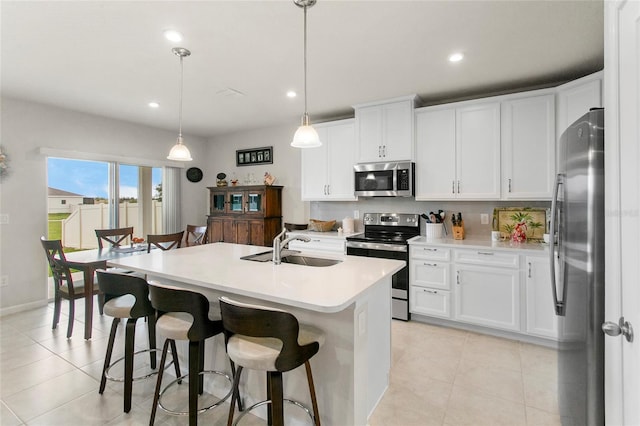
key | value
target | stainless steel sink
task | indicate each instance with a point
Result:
(292, 256)
(309, 261)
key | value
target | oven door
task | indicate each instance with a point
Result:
(399, 280)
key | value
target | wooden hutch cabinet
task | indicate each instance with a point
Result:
(245, 214)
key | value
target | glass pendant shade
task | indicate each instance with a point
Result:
(179, 152)
(306, 136)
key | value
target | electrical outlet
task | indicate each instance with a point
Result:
(4, 280)
(356, 214)
(4, 218)
(484, 219)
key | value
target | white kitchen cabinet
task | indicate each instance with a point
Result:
(487, 296)
(327, 171)
(458, 152)
(541, 318)
(478, 151)
(320, 243)
(429, 281)
(528, 147)
(384, 130)
(576, 98)
(435, 153)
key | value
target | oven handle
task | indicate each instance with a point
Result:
(377, 246)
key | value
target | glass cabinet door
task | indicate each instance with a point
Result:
(217, 202)
(255, 202)
(235, 202)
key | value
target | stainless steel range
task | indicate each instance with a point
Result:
(385, 236)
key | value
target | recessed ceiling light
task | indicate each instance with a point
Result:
(291, 94)
(153, 105)
(456, 57)
(173, 35)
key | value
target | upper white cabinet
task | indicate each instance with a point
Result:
(327, 171)
(576, 98)
(384, 130)
(528, 147)
(458, 152)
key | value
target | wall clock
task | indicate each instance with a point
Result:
(194, 174)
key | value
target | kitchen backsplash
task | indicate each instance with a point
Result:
(471, 210)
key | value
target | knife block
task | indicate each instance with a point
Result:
(458, 231)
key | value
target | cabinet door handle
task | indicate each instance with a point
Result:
(429, 249)
(453, 186)
(509, 185)
(486, 253)
(328, 189)
(379, 151)
(430, 264)
(429, 291)
(458, 187)
(458, 277)
(529, 269)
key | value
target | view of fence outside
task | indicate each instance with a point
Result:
(78, 230)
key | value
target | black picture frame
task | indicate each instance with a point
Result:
(254, 156)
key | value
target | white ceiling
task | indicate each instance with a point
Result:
(110, 58)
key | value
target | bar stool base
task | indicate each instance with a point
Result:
(200, 410)
(142, 377)
(265, 402)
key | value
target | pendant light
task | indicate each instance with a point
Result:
(180, 152)
(306, 136)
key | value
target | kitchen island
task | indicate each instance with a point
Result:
(350, 301)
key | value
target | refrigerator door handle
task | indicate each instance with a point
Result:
(557, 304)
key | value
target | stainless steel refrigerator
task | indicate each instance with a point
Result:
(577, 269)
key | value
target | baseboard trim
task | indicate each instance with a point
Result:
(21, 308)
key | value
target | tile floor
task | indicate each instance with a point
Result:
(439, 376)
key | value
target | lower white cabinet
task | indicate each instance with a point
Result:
(541, 317)
(429, 281)
(506, 290)
(488, 296)
(329, 244)
(429, 301)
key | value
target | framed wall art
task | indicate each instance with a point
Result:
(254, 156)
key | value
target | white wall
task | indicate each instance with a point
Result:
(26, 127)
(221, 154)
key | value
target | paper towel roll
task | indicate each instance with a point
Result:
(348, 225)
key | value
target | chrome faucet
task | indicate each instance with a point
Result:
(279, 244)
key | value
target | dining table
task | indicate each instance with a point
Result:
(88, 261)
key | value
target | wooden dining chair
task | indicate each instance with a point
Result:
(65, 287)
(195, 235)
(165, 241)
(114, 237)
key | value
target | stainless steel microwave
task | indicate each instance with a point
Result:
(384, 179)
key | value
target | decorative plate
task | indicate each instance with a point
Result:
(194, 174)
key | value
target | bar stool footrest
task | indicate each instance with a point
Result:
(268, 401)
(200, 410)
(142, 377)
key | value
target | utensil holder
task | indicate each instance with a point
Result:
(433, 231)
(458, 231)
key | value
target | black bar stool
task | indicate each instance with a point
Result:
(186, 315)
(127, 296)
(271, 340)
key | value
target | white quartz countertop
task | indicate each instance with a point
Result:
(219, 267)
(482, 244)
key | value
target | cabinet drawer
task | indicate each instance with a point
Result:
(487, 258)
(430, 252)
(331, 245)
(431, 302)
(428, 273)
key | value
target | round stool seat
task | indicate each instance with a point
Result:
(176, 325)
(260, 353)
(120, 307)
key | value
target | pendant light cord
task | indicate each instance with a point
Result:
(306, 114)
(180, 111)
